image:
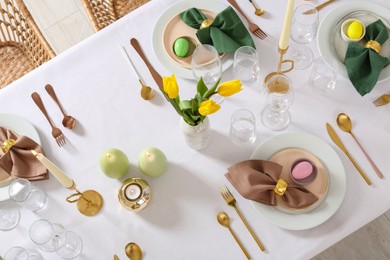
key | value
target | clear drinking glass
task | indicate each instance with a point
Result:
(206, 64)
(52, 237)
(322, 77)
(27, 195)
(275, 115)
(246, 65)
(20, 253)
(9, 215)
(303, 31)
(242, 127)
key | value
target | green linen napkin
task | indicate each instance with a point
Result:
(227, 33)
(364, 64)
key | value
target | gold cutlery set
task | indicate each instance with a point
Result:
(345, 124)
(224, 220)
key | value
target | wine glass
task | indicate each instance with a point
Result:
(303, 31)
(27, 195)
(9, 215)
(21, 253)
(246, 65)
(206, 64)
(52, 237)
(275, 115)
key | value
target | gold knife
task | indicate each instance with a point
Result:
(336, 139)
(319, 7)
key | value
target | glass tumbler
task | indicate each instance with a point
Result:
(9, 215)
(52, 237)
(246, 65)
(242, 127)
(206, 64)
(27, 195)
(20, 253)
(322, 77)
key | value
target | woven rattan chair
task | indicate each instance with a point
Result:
(104, 12)
(22, 45)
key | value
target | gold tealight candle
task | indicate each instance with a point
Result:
(135, 194)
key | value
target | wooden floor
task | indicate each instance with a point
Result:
(58, 19)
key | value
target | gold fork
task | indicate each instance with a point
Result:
(56, 133)
(231, 201)
(382, 100)
(253, 28)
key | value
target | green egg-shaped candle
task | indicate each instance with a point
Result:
(181, 47)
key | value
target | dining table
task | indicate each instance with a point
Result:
(96, 85)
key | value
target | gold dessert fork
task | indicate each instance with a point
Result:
(231, 201)
(382, 100)
(253, 28)
(56, 133)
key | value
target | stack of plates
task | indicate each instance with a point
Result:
(333, 48)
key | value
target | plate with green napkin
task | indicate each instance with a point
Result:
(333, 48)
(160, 28)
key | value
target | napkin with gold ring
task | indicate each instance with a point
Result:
(364, 63)
(226, 33)
(260, 181)
(17, 159)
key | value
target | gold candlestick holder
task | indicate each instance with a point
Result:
(281, 62)
(89, 202)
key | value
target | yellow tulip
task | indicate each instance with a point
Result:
(170, 86)
(229, 88)
(208, 107)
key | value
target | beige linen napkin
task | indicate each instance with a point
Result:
(256, 180)
(19, 162)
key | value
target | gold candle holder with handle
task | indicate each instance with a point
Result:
(281, 62)
(283, 41)
(89, 202)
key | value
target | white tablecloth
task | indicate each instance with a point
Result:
(95, 85)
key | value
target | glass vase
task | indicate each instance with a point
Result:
(197, 137)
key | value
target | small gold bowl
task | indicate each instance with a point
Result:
(135, 194)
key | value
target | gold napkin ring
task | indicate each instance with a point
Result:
(7, 145)
(280, 187)
(376, 46)
(206, 23)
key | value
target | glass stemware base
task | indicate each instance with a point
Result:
(275, 120)
(302, 56)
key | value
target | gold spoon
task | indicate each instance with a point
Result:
(258, 11)
(133, 251)
(345, 124)
(146, 91)
(224, 220)
(68, 121)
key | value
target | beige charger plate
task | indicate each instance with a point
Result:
(176, 28)
(319, 187)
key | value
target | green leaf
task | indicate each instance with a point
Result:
(185, 104)
(188, 119)
(211, 91)
(201, 87)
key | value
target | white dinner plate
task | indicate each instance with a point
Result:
(21, 126)
(329, 42)
(337, 180)
(159, 28)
